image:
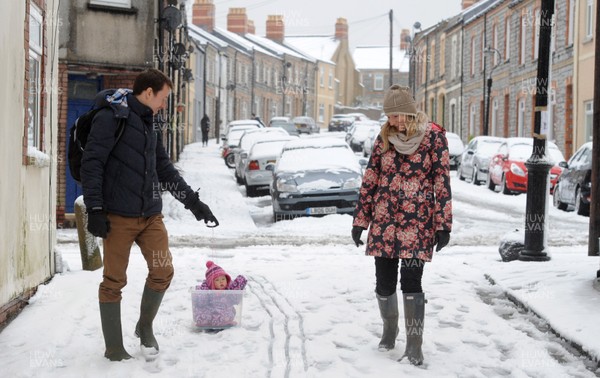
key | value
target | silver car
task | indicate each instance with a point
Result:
(262, 153)
(247, 141)
(313, 177)
(475, 159)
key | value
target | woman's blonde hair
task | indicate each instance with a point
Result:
(413, 125)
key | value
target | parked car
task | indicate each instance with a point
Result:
(275, 120)
(507, 167)
(306, 125)
(340, 122)
(287, 126)
(231, 141)
(360, 132)
(315, 176)
(475, 159)
(240, 122)
(262, 153)
(370, 142)
(573, 189)
(383, 119)
(247, 140)
(455, 149)
(359, 116)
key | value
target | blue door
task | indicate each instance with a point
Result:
(82, 92)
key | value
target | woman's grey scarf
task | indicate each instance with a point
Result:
(407, 145)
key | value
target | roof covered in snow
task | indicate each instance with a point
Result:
(203, 37)
(240, 41)
(275, 47)
(378, 58)
(321, 47)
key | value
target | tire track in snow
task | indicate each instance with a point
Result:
(294, 348)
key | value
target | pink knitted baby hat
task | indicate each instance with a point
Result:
(212, 272)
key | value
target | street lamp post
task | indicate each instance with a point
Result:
(538, 165)
(489, 89)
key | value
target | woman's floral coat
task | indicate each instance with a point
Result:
(406, 198)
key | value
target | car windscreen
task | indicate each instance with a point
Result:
(318, 158)
(488, 148)
(455, 145)
(234, 137)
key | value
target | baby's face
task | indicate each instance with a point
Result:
(220, 283)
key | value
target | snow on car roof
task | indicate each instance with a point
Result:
(327, 157)
(243, 122)
(267, 149)
(317, 142)
(252, 136)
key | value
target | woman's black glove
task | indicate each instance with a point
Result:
(201, 210)
(356, 233)
(98, 224)
(441, 239)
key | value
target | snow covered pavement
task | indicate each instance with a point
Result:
(310, 309)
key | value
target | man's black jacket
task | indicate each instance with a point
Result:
(126, 178)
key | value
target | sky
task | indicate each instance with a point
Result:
(368, 20)
(309, 309)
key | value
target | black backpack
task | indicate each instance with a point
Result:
(78, 138)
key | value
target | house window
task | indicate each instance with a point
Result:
(589, 119)
(495, 44)
(378, 83)
(452, 117)
(472, 56)
(507, 40)
(521, 118)
(571, 22)
(494, 117)
(330, 80)
(472, 116)
(454, 62)
(523, 39)
(112, 3)
(482, 54)
(35, 79)
(589, 19)
(321, 112)
(536, 39)
(322, 77)
(442, 55)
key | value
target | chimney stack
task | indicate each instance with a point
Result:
(468, 3)
(251, 28)
(203, 15)
(404, 39)
(237, 20)
(341, 29)
(275, 28)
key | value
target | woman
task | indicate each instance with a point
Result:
(405, 198)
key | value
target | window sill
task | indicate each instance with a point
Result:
(111, 9)
(587, 40)
(37, 158)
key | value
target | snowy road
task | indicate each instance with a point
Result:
(310, 309)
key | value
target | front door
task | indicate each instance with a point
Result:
(82, 92)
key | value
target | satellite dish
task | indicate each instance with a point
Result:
(171, 18)
(179, 49)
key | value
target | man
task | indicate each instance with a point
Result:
(122, 179)
(205, 128)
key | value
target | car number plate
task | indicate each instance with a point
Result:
(321, 210)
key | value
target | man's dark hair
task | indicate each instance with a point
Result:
(151, 78)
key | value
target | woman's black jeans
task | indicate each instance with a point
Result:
(386, 274)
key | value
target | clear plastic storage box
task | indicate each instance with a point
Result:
(217, 309)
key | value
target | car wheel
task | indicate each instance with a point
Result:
(461, 177)
(250, 191)
(490, 184)
(503, 187)
(474, 178)
(580, 207)
(230, 160)
(556, 200)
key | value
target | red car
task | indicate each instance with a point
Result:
(507, 166)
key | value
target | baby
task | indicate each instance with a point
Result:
(217, 311)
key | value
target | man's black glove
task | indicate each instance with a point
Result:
(98, 224)
(356, 233)
(201, 210)
(441, 239)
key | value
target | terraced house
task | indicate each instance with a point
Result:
(476, 72)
